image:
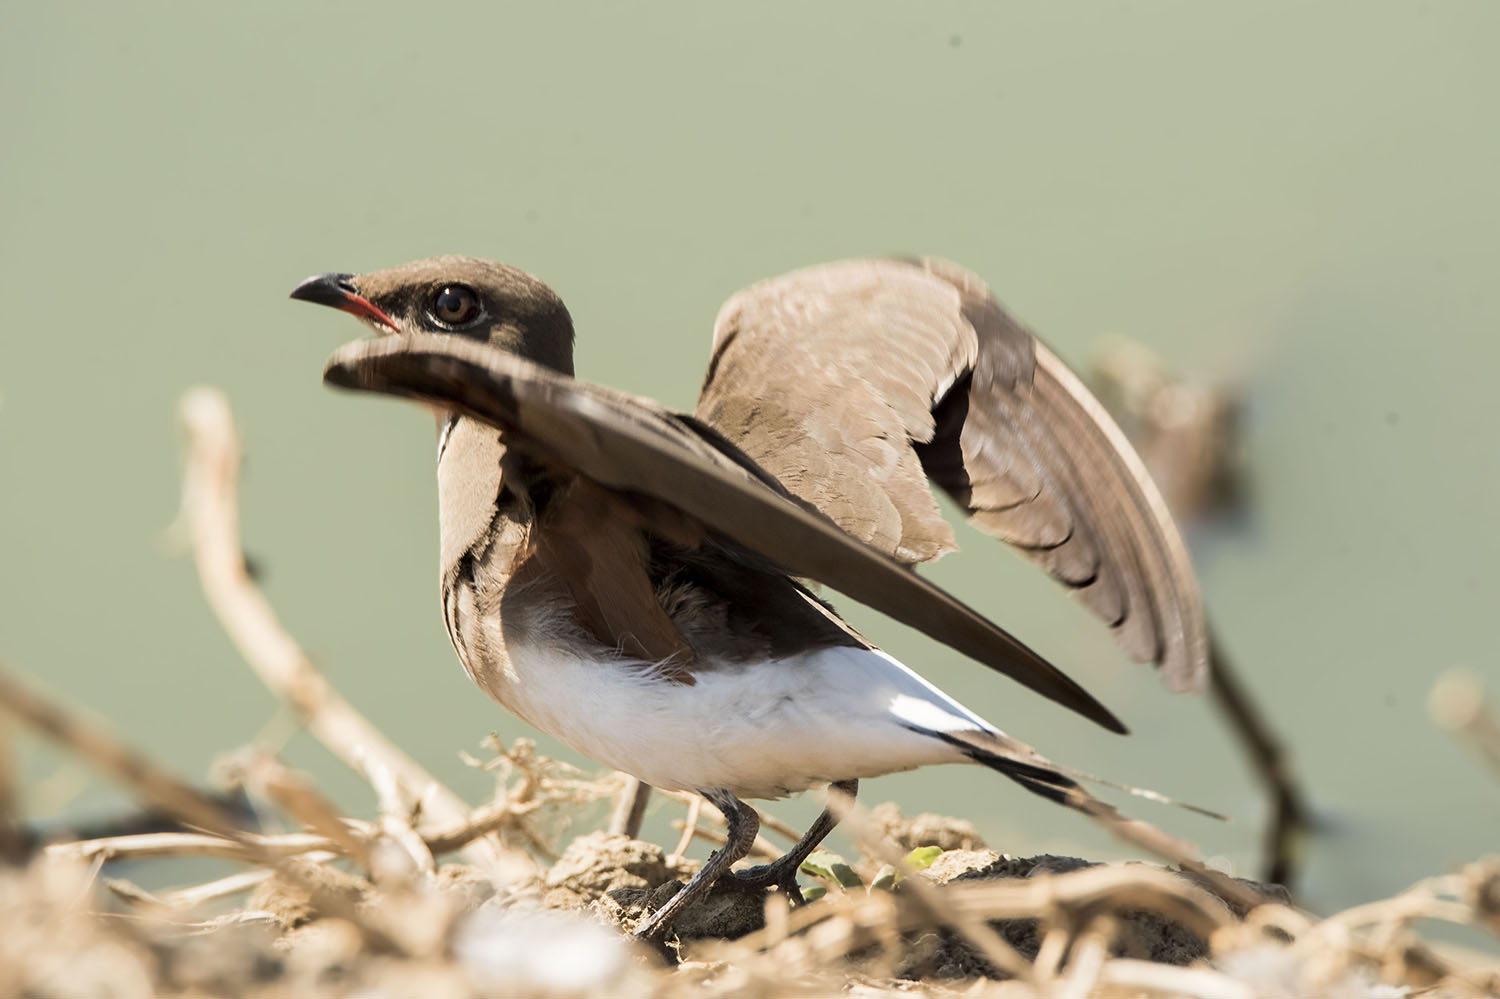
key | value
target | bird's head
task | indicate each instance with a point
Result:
(464, 296)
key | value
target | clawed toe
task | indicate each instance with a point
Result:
(767, 875)
(652, 932)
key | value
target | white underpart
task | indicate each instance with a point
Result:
(758, 730)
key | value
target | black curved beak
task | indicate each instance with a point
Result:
(338, 291)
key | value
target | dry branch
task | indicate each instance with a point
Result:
(630, 807)
(1460, 707)
(233, 884)
(255, 847)
(162, 790)
(154, 785)
(758, 848)
(481, 822)
(689, 830)
(210, 503)
(1290, 816)
(155, 846)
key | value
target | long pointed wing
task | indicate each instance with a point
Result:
(626, 443)
(854, 383)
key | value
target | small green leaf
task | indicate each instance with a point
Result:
(832, 868)
(819, 864)
(922, 857)
(846, 876)
(886, 878)
(814, 893)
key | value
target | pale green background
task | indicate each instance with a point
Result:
(1300, 194)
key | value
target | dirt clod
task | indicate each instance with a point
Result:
(925, 829)
(598, 863)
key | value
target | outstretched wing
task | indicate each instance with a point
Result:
(854, 383)
(635, 446)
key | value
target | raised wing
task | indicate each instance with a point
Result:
(854, 383)
(631, 444)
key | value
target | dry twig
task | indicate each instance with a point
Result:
(759, 848)
(155, 846)
(1290, 816)
(1461, 708)
(210, 503)
(689, 830)
(630, 808)
(153, 784)
(165, 791)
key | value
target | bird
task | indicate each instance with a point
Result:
(637, 582)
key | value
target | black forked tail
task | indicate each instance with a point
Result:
(1040, 775)
(1021, 764)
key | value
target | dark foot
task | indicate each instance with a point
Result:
(782, 875)
(657, 942)
(653, 933)
(656, 927)
(743, 824)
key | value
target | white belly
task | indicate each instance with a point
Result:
(760, 730)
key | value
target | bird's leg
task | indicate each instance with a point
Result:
(743, 826)
(783, 872)
(625, 820)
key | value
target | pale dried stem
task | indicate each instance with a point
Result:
(1096, 889)
(1171, 980)
(767, 821)
(211, 506)
(396, 817)
(132, 893)
(1089, 952)
(152, 846)
(1459, 704)
(481, 822)
(771, 822)
(161, 789)
(157, 787)
(689, 829)
(303, 802)
(390, 797)
(759, 848)
(190, 898)
(630, 808)
(1387, 916)
(253, 847)
(1049, 955)
(1065, 901)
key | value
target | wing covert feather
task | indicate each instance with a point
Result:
(853, 383)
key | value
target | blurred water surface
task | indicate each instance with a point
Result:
(1302, 196)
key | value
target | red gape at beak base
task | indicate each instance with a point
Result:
(338, 291)
(358, 305)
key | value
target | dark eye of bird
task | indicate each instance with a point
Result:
(455, 305)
